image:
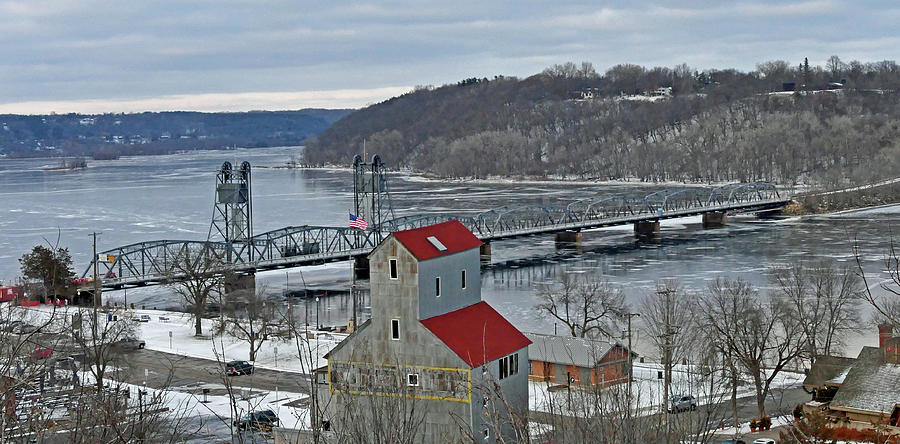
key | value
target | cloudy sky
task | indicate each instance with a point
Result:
(127, 56)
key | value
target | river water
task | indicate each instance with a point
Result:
(171, 197)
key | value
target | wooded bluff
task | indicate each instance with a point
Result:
(840, 125)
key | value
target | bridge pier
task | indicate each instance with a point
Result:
(240, 285)
(715, 219)
(646, 228)
(769, 214)
(568, 240)
(361, 267)
(485, 253)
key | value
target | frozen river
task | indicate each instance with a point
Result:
(171, 197)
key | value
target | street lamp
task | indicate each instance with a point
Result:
(317, 312)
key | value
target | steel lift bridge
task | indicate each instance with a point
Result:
(232, 243)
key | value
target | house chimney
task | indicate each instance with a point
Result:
(885, 332)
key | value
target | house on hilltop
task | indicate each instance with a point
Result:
(434, 359)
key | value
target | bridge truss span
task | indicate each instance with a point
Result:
(238, 250)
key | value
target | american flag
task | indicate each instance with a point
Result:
(356, 222)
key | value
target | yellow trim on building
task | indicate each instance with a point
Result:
(468, 373)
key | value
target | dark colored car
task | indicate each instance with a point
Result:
(10, 326)
(24, 329)
(130, 344)
(234, 368)
(734, 441)
(258, 420)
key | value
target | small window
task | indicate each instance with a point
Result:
(504, 367)
(464, 279)
(393, 263)
(437, 287)
(395, 329)
(412, 379)
(487, 434)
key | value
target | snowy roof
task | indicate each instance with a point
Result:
(827, 368)
(871, 385)
(567, 350)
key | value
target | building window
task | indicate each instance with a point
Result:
(412, 379)
(464, 279)
(509, 365)
(395, 329)
(437, 287)
(393, 263)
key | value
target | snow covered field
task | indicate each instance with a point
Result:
(173, 332)
(647, 390)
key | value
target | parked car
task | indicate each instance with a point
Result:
(24, 329)
(261, 419)
(764, 441)
(234, 368)
(682, 403)
(41, 353)
(130, 344)
(143, 318)
(12, 325)
(733, 441)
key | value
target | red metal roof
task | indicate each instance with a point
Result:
(453, 234)
(477, 333)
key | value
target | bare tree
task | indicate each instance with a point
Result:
(100, 339)
(585, 304)
(761, 334)
(669, 318)
(250, 319)
(197, 276)
(823, 298)
(887, 308)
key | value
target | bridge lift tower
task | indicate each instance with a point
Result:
(372, 203)
(370, 192)
(232, 220)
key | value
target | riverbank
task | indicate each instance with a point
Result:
(827, 202)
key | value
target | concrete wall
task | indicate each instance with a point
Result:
(449, 269)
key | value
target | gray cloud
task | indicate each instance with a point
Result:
(58, 50)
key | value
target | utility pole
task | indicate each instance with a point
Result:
(97, 297)
(353, 319)
(667, 353)
(628, 316)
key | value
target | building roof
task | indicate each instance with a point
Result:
(566, 350)
(828, 369)
(871, 385)
(452, 235)
(477, 333)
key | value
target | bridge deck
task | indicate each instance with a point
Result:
(143, 264)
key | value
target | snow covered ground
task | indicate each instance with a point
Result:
(647, 390)
(173, 332)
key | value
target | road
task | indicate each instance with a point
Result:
(193, 374)
(778, 403)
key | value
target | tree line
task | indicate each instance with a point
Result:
(156, 132)
(720, 125)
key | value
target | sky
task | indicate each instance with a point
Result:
(235, 55)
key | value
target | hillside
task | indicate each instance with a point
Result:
(111, 135)
(839, 126)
